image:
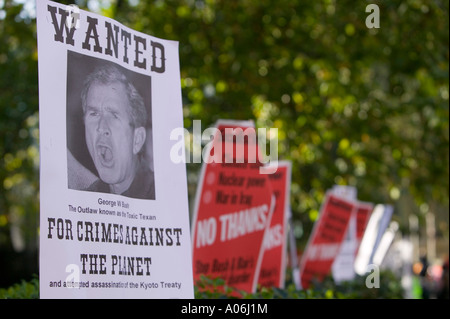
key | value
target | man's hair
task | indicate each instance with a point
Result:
(107, 74)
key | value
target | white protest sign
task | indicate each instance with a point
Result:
(376, 227)
(114, 217)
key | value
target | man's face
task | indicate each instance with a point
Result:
(109, 134)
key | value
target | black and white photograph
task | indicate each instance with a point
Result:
(109, 131)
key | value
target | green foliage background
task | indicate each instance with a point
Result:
(353, 106)
(207, 288)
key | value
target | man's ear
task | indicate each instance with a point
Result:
(139, 139)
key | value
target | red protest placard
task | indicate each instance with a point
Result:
(273, 266)
(233, 208)
(343, 265)
(325, 241)
(363, 212)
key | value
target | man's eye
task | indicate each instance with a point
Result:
(93, 113)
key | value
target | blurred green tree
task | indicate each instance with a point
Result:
(353, 106)
(19, 179)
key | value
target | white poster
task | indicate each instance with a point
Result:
(114, 219)
(376, 227)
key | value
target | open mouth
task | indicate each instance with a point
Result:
(104, 153)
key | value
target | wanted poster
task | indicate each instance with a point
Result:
(114, 219)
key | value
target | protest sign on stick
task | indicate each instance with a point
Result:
(326, 238)
(375, 230)
(233, 207)
(273, 267)
(343, 265)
